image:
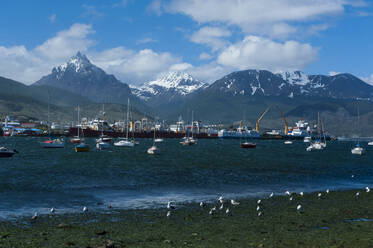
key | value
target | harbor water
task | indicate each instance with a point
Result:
(37, 179)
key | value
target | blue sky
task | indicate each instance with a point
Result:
(139, 40)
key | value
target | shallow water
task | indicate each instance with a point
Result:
(38, 179)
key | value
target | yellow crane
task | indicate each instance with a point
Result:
(260, 118)
(285, 122)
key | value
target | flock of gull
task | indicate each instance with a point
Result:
(221, 201)
(259, 207)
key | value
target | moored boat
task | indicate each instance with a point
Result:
(358, 150)
(288, 142)
(124, 143)
(247, 145)
(102, 145)
(53, 143)
(6, 153)
(82, 148)
(370, 143)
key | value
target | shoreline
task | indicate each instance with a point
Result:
(337, 219)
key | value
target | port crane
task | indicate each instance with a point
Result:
(286, 127)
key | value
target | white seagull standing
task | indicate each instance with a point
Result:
(234, 203)
(220, 199)
(201, 204)
(287, 192)
(367, 189)
(327, 191)
(35, 216)
(168, 214)
(257, 208)
(299, 207)
(169, 206)
(52, 210)
(85, 209)
(357, 194)
(259, 214)
(221, 207)
(301, 193)
(291, 198)
(259, 201)
(227, 211)
(319, 195)
(271, 195)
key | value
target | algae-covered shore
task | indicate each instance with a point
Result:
(337, 219)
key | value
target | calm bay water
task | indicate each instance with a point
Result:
(38, 179)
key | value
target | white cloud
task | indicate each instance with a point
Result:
(52, 18)
(368, 80)
(261, 53)
(205, 56)
(211, 36)
(275, 18)
(181, 67)
(146, 40)
(155, 6)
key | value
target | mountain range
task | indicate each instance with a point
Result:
(238, 95)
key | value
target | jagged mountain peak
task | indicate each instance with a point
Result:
(77, 63)
(170, 85)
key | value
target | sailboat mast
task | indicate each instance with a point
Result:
(48, 123)
(78, 121)
(128, 104)
(192, 124)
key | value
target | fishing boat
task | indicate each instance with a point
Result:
(247, 145)
(7, 153)
(153, 150)
(370, 143)
(358, 150)
(125, 142)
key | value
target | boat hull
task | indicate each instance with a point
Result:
(248, 145)
(6, 154)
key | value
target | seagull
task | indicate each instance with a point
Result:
(220, 199)
(259, 201)
(327, 191)
(234, 203)
(299, 207)
(352, 176)
(357, 194)
(221, 207)
(367, 189)
(35, 216)
(291, 198)
(271, 195)
(168, 214)
(287, 192)
(85, 209)
(212, 211)
(259, 214)
(257, 208)
(227, 211)
(52, 210)
(301, 193)
(319, 195)
(169, 206)
(201, 204)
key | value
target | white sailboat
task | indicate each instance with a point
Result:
(153, 150)
(77, 139)
(125, 142)
(51, 143)
(358, 150)
(82, 146)
(188, 141)
(318, 144)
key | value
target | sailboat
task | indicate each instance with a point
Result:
(318, 144)
(188, 141)
(246, 144)
(77, 139)
(157, 140)
(153, 150)
(358, 150)
(125, 142)
(82, 146)
(51, 143)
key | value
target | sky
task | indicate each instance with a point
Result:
(140, 40)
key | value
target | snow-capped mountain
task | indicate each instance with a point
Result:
(172, 85)
(292, 84)
(80, 76)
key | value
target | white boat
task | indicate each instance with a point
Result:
(318, 144)
(307, 139)
(358, 150)
(288, 142)
(53, 143)
(370, 143)
(102, 145)
(6, 153)
(158, 140)
(124, 143)
(153, 150)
